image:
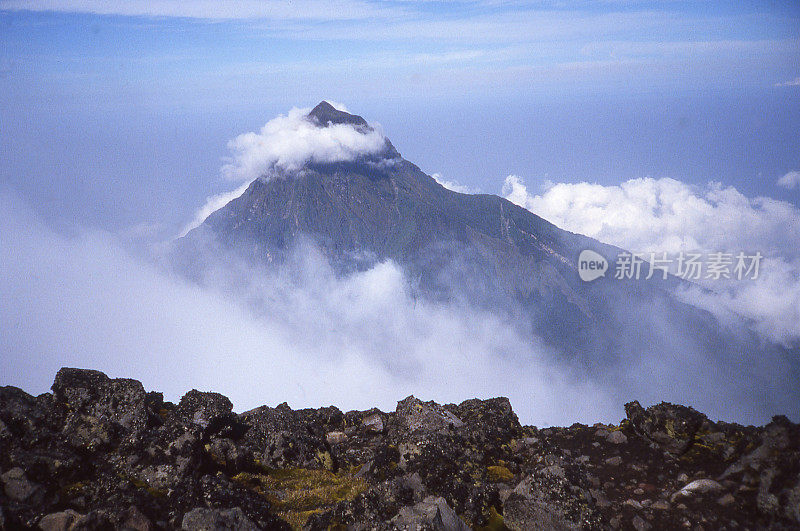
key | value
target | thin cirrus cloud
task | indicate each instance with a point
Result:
(791, 83)
(666, 215)
(210, 9)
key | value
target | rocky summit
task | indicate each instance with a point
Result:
(102, 453)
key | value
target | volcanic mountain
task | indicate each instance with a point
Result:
(472, 248)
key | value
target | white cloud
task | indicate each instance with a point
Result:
(213, 204)
(791, 180)
(652, 215)
(666, 215)
(338, 106)
(285, 144)
(791, 83)
(264, 336)
(304, 335)
(455, 186)
(289, 141)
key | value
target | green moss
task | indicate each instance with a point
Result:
(499, 473)
(156, 493)
(495, 522)
(297, 493)
(73, 489)
(138, 483)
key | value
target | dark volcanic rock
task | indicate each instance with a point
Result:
(325, 113)
(670, 426)
(102, 454)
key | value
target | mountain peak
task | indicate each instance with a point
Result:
(325, 113)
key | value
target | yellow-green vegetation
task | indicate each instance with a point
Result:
(141, 484)
(499, 473)
(325, 459)
(297, 493)
(73, 489)
(495, 522)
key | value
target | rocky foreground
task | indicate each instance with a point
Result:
(101, 453)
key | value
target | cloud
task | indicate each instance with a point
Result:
(213, 204)
(289, 141)
(791, 83)
(285, 144)
(303, 334)
(791, 180)
(216, 10)
(652, 215)
(666, 215)
(453, 185)
(262, 336)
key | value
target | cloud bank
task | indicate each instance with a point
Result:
(302, 334)
(299, 334)
(666, 215)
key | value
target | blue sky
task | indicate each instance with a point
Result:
(115, 114)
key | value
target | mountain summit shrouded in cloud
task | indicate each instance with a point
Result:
(286, 143)
(320, 182)
(323, 134)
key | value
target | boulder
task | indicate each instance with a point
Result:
(204, 409)
(373, 423)
(698, 486)
(432, 513)
(60, 521)
(617, 437)
(202, 519)
(99, 411)
(670, 426)
(415, 416)
(17, 486)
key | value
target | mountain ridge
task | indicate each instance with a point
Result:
(488, 253)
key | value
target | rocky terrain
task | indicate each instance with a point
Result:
(101, 453)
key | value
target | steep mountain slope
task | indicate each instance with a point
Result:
(477, 249)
